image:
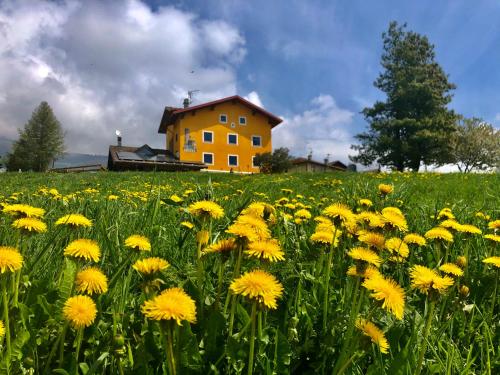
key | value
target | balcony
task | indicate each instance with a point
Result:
(190, 146)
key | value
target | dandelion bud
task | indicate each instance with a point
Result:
(461, 261)
(464, 291)
(202, 237)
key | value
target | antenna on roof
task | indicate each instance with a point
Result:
(187, 101)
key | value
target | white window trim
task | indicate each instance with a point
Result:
(220, 120)
(237, 160)
(253, 162)
(255, 135)
(203, 158)
(203, 136)
(239, 120)
(237, 139)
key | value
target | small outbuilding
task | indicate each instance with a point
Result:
(310, 165)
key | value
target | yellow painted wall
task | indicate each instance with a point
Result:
(208, 119)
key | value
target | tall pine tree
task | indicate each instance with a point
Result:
(39, 143)
(412, 126)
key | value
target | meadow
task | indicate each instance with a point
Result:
(157, 273)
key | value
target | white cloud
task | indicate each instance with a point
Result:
(254, 98)
(497, 117)
(109, 65)
(322, 129)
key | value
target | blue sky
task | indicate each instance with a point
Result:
(116, 64)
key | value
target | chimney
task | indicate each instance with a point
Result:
(119, 140)
(310, 156)
(185, 103)
(326, 161)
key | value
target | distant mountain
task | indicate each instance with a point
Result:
(67, 160)
(74, 160)
(5, 145)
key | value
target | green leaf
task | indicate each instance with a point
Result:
(188, 349)
(282, 354)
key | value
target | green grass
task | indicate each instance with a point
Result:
(290, 339)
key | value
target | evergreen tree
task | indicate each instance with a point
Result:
(413, 125)
(41, 141)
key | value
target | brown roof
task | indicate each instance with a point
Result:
(170, 114)
(144, 158)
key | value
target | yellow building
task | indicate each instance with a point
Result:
(224, 134)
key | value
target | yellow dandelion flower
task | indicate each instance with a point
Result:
(249, 227)
(268, 250)
(365, 255)
(385, 189)
(495, 224)
(338, 211)
(221, 246)
(80, 311)
(425, 279)
(323, 220)
(394, 219)
(176, 199)
(10, 259)
(2, 329)
(365, 202)
(388, 292)
(302, 214)
(91, 281)
(148, 266)
(468, 228)
(374, 333)
(74, 220)
(206, 209)
(416, 239)
(138, 242)
(255, 209)
(374, 240)
(30, 224)
(495, 261)
(396, 245)
(492, 237)
(112, 197)
(461, 261)
(187, 224)
(171, 304)
(374, 220)
(260, 286)
(438, 233)
(23, 210)
(445, 212)
(365, 272)
(83, 248)
(325, 237)
(451, 269)
(450, 224)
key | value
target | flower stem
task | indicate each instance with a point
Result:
(79, 337)
(494, 295)
(252, 339)
(327, 280)
(427, 329)
(5, 302)
(170, 348)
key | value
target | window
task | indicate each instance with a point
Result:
(186, 134)
(208, 136)
(176, 137)
(208, 158)
(253, 162)
(256, 141)
(223, 119)
(232, 160)
(242, 120)
(232, 139)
